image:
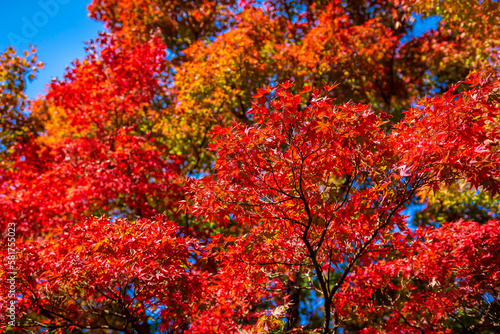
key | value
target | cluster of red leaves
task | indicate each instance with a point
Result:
(106, 272)
(91, 177)
(120, 275)
(238, 295)
(113, 87)
(104, 157)
(286, 154)
(454, 136)
(446, 275)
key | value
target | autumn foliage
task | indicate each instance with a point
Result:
(257, 167)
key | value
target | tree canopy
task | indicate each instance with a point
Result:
(279, 166)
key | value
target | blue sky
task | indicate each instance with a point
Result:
(57, 27)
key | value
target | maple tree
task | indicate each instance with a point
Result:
(246, 166)
(324, 188)
(99, 151)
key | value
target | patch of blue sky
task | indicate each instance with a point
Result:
(422, 25)
(58, 28)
